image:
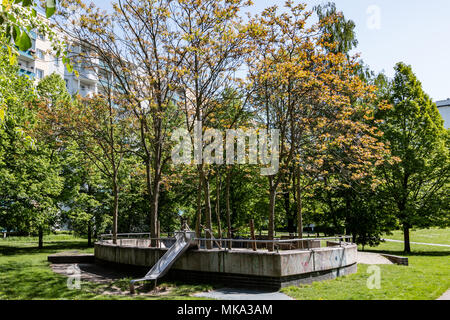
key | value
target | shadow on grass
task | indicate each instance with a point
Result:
(49, 248)
(28, 280)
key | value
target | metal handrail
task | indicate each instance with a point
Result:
(341, 239)
(275, 240)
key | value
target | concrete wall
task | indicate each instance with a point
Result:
(239, 262)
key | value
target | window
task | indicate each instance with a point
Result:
(40, 54)
(41, 36)
(40, 73)
(67, 83)
(57, 61)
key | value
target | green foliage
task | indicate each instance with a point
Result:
(17, 18)
(414, 129)
(29, 172)
(82, 161)
(341, 33)
(418, 184)
(53, 88)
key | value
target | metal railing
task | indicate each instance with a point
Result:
(144, 240)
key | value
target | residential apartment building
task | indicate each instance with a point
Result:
(39, 62)
(444, 109)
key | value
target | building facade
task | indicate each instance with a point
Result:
(38, 62)
(444, 109)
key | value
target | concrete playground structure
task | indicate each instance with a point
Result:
(240, 267)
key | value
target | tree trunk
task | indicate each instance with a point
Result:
(219, 226)
(198, 231)
(299, 205)
(205, 183)
(96, 227)
(115, 208)
(89, 233)
(229, 235)
(406, 238)
(41, 238)
(89, 230)
(154, 215)
(252, 234)
(287, 209)
(271, 226)
(154, 230)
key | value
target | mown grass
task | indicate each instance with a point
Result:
(26, 274)
(426, 278)
(439, 236)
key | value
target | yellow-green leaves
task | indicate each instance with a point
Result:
(50, 8)
(18, 18)
(12, 56)
(23, 41)
(2, 113)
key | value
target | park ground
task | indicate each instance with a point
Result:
(26, 274)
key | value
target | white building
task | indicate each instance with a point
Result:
(444, 109)
(39, 62)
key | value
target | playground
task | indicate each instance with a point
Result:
(239, 262)
(25, 273)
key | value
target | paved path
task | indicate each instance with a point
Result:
(445, 296)
(371, 258)
(242, 294)
(421, 243)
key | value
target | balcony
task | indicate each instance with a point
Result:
(87, 75)
(28, 73)
(28, 55)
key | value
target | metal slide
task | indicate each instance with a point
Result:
(183, 241)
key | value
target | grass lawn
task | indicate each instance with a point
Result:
(439, 236)
(426, 278)
(25, 273)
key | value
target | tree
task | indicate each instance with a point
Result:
(29, 170)
(18, 18)
(340, 34)
(159, 54)
(137, 49)
(418, 185)
(213, 46)
(85, 202)
(316, 100)
(97, 126)
(81, 204)
(53, 89)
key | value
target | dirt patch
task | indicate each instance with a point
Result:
(113, 282)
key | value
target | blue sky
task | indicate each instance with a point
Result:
(416, 32)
